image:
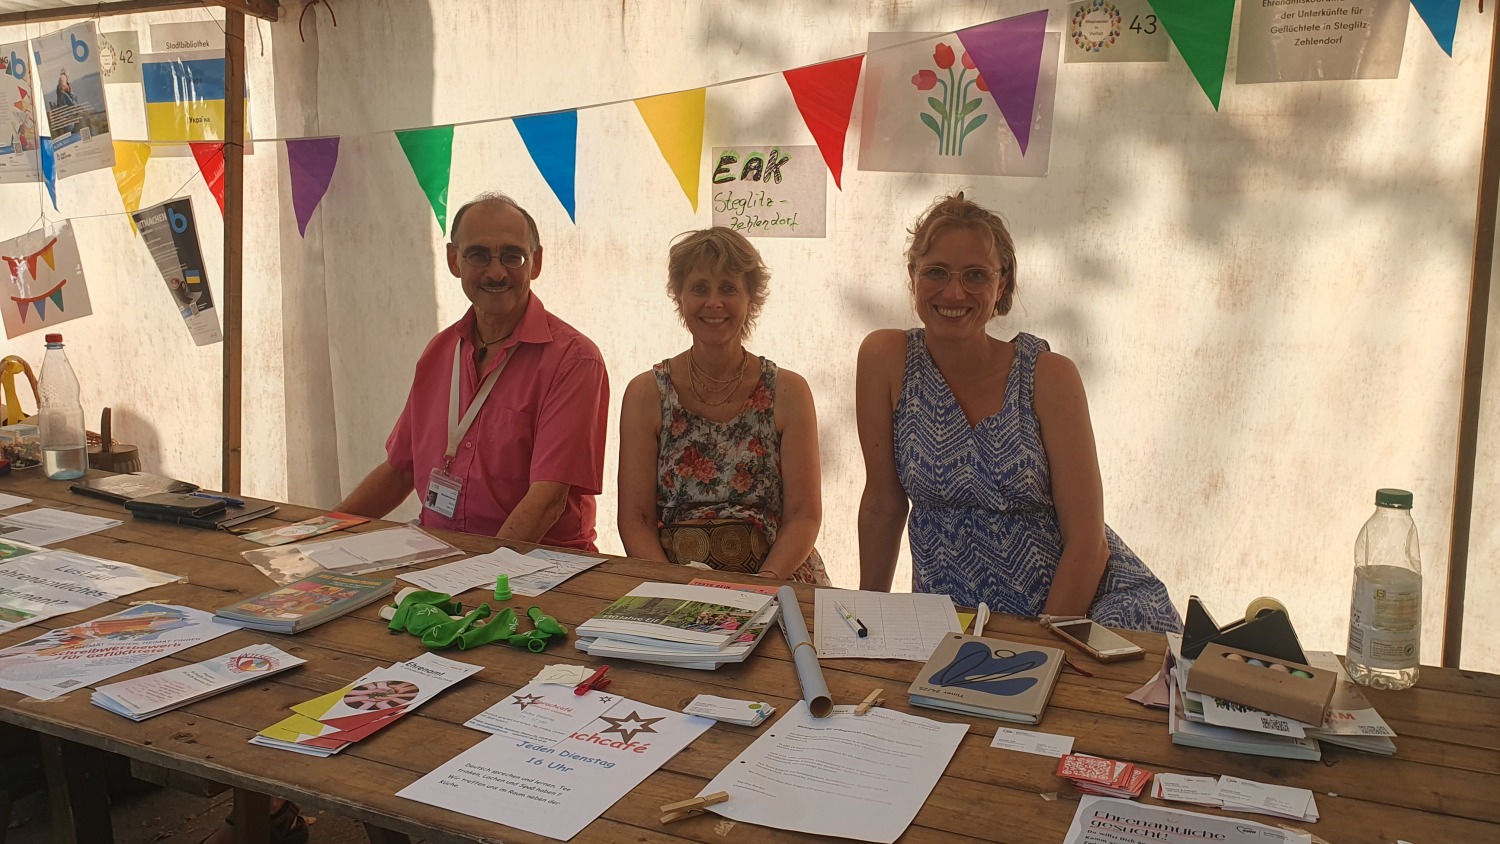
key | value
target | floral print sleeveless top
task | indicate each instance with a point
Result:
(724, 470)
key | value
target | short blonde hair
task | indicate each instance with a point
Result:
(720, 251)
(956, 211)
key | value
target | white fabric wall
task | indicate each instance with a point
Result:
(1267, 303)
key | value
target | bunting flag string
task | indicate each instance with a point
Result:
(676, 122)
(824, 94)
(130, 175)
(1008, 55)
(311, 162)
(552, 140)
(430, 154)
(210, 156)
(1200, 29)
(1441, 17)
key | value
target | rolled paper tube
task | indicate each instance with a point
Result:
(1261, 605)
(804, 655)
(546, 623)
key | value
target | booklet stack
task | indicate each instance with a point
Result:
(306, 603)
(991, 678)
(327, 724)
(699, 627)
(1191, 725)
(154, 694)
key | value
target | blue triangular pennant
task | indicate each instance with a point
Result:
(41, 308)
(1441, 17)
(49, 169)
(552, 140)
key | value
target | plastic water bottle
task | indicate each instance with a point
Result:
(1385, 617)
(64, 446)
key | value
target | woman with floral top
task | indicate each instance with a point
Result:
(719, 447)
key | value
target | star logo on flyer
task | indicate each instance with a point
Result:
(606, 699)
(524, 701)
(630, 726)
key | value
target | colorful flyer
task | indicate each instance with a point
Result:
(779, 191)
(45, 282)
(1114, 31)
(153, 694)
(71, 84)
(542, 713)
(171, 234)
(19, 136)
(37, 583)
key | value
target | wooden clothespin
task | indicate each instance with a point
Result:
(673, 812)
(873, 699)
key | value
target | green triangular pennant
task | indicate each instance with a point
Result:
(430, 152)
(1200, 29)
(56, 298)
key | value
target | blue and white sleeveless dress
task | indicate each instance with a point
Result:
(983, 526)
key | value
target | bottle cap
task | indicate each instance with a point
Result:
(1398, 499)
(502, 587)
(54, 338)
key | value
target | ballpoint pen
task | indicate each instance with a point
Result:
(855, 624)
(232, 502)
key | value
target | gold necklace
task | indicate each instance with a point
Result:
(699, 387)
(696, 371)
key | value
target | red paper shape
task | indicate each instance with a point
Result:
(211, 164)
(825, 95)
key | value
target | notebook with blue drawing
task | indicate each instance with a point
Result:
(992, 678)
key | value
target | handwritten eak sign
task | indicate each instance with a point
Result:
(770, 191)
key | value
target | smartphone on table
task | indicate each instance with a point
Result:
(1102, 643)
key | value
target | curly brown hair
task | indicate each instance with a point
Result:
(950, 211)
(720, 251)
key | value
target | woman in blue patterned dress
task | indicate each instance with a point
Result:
(991, 444)
(719, 447)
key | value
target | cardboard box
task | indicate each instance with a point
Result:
(1279, 692)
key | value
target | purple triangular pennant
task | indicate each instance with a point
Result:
(1008, 54)
(311, 162)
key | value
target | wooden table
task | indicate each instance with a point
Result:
(1443, 786)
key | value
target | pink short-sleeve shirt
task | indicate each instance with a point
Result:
(544, 421)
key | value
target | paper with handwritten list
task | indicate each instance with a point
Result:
(901, 626)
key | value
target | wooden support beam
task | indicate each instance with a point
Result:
(77, 792)
(252, 817)
(266, 9)
(1471, 388)
(234, 236)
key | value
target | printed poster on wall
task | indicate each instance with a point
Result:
(1114, 31)
(1320, 40)
(19, 137)
(184, 95)
(120, 57)
(71, 85)
(779, 191)
(171, 234)
(44, 280)
(927, 111)
(188, 35)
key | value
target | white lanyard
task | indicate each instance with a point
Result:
(457, 431)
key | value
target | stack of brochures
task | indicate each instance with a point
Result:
(699, 627)
(154, 694)
(992, 678)
(1190, 713)
(307, 602)
(329, 723)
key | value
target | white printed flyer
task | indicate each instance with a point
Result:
(143, 697)
(20, 139)
(67, 658)
(542, 713)
(71, 83)
(557, 791)
(36, 583)
(1106, 820)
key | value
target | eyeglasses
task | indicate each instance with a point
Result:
(511, 260)
(974, 279)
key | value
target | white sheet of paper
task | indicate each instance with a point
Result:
(1108, 820)
(1028, 741)
(904, 625)
(463, 575)
(378, 545)
(557, 791)
(9, 501)
(563, 675)
(861, 777)
(561, 566)
(542, 713)
(48, 525)
(1185, 789)
(1223, 713)
(1280, 800)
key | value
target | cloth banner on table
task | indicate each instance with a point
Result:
(210, 157)
(1200, 29)
(311, 162)
(676, 122)
(130, 174)
(1441, 17)
(67, 75)
(824, 94)
(430, 153)
(44, 280)
(552, 140)
(19, 135)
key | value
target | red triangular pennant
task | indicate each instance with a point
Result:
(825, 95)
(211, 164)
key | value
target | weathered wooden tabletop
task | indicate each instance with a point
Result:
(1442, 786)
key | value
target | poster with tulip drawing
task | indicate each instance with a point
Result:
(929, 107)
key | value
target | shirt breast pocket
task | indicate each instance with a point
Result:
(505, 443)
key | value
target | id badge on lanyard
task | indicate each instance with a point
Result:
(443, 487)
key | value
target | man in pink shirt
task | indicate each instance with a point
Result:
(503, 430)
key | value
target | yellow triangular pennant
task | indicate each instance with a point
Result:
(676, 122)
(47, 255)
(130, 174)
